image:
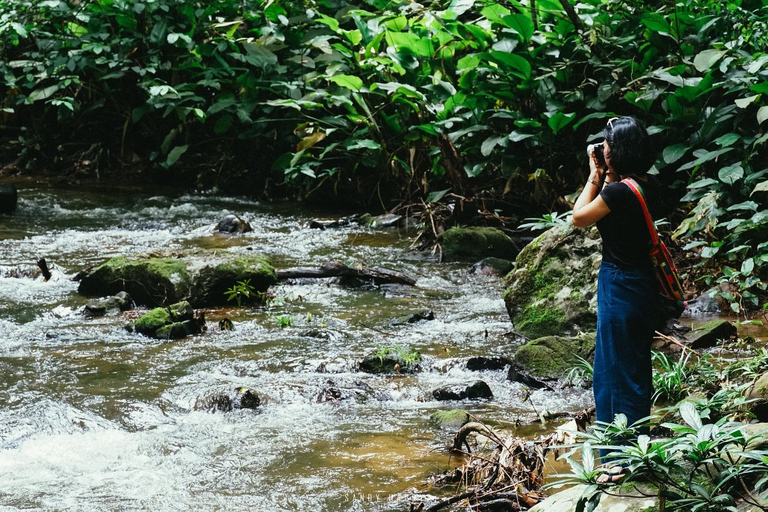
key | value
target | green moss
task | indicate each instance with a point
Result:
(171, 331)
(152, 282)
(552, 356)
(250, 265)
(454, 418)
(212, 282)
(535, 321)
(152, 321)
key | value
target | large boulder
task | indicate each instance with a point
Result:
(210, 282)
(8, 198)
(553, 288)
(551, 357)
(476, 243)
(759, 394)
(200, 279)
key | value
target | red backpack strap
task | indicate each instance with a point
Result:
(635, 187)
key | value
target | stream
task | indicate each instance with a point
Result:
(93, 417)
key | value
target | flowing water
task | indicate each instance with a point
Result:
(93, 417)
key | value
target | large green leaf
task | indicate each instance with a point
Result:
(520, 65)
(731, 174)
(706, 59)
(520, 23)
(560, 120)
(351, 82)
(495, 12)
(672, 154)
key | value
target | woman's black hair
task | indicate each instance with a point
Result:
(631, 151)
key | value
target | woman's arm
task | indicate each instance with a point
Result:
(590, 207)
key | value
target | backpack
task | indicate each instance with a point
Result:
(670, 288)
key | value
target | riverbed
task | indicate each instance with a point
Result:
(93, 417)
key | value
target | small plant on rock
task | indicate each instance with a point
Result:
(243, 290)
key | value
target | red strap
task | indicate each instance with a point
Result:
(633, 185)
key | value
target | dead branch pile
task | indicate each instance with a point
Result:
(503, 472)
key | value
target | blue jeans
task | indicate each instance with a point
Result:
(626, 318)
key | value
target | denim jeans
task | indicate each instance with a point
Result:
(627, 302)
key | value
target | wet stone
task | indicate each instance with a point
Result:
(414, 317)
(241, 398)
(492, 266)
(106, 305)
(487, 363)
(516, 374)
(477, 389)
(232, 224)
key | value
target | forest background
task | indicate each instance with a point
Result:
(446, 106)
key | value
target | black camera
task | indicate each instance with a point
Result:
(597, 149)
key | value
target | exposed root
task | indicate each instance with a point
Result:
(504, 472)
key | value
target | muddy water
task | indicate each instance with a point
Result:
(93, 417)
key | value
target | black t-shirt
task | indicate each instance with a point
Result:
(626, 240)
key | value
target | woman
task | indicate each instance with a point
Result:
(626, 285)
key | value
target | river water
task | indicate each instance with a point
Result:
(93, 417)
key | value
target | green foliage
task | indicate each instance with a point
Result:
(408, 356)
(671, 379)
(581, 374)
(547, 221)
(243, 290)
(410, 99)
(703, 466)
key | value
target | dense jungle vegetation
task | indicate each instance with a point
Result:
(449, 104)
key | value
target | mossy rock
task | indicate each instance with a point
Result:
(212, 281)
(553, 289)
(476, 243)
(759, 393)
(175, 321)
(707, 334)
(150, 322)
(202, 279)
(150, 282)
(454, 418)
(390, 360)
(551, 357)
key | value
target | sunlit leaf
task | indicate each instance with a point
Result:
(731, 174)
(706, 59)
(760, 187)
(690, 415)
(762, 114)
(748, 266)
(349, 81)
(745, 102)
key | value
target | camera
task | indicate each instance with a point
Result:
(597, 149)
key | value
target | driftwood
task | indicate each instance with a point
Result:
(506, 471)
(43, 266)
(339, 269)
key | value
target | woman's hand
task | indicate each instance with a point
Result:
(596, 172)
